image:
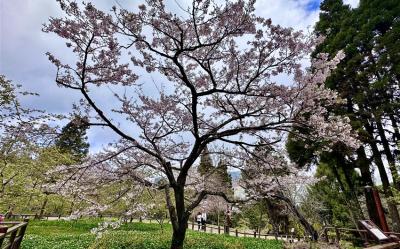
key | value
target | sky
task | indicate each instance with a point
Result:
(23, 46)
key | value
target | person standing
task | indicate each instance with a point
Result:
(203, 220)
(198, 219)
(228, 221)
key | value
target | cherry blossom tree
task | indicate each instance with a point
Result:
(216, 67)
(24, 138)
(19, 122)
(270, 175)
(100, 182)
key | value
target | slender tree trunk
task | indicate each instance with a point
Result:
(72, 205)
(218, 217)
(348, 196)
(357, 214)
(43, 208)
(395, 127)
(260, 221)
(31, 196)
(303, 221)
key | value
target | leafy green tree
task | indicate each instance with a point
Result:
(255, 215)
(336, 209)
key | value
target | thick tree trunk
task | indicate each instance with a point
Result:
(363, 165)
(303, 221)
(178, 216)
(178, 236)
(389, 156)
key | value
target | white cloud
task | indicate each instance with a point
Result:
(289, 13)
(352, 3)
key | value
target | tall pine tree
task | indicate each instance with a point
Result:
(206, 164)
(224, 177)
(73, 139)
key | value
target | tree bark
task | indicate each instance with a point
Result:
(395, 128)
(43, 208)
(178, 216)
(388, 154)
(178, 236)
(363, 165)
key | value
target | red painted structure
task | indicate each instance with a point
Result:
(379, 218)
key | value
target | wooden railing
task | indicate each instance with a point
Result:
(339, 233)
(236, 233)
(11, 234)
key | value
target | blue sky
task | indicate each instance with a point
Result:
(23, 47)
(313, 5)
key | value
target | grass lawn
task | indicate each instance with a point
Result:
(76, 235)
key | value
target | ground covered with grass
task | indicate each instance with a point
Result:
(76, 235)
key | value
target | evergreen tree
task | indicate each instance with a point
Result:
(73, 139)
(206, 165)
(368, 80)
(224, 177)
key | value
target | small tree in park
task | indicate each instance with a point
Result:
(215, 66)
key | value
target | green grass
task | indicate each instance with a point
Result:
(76, 235)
